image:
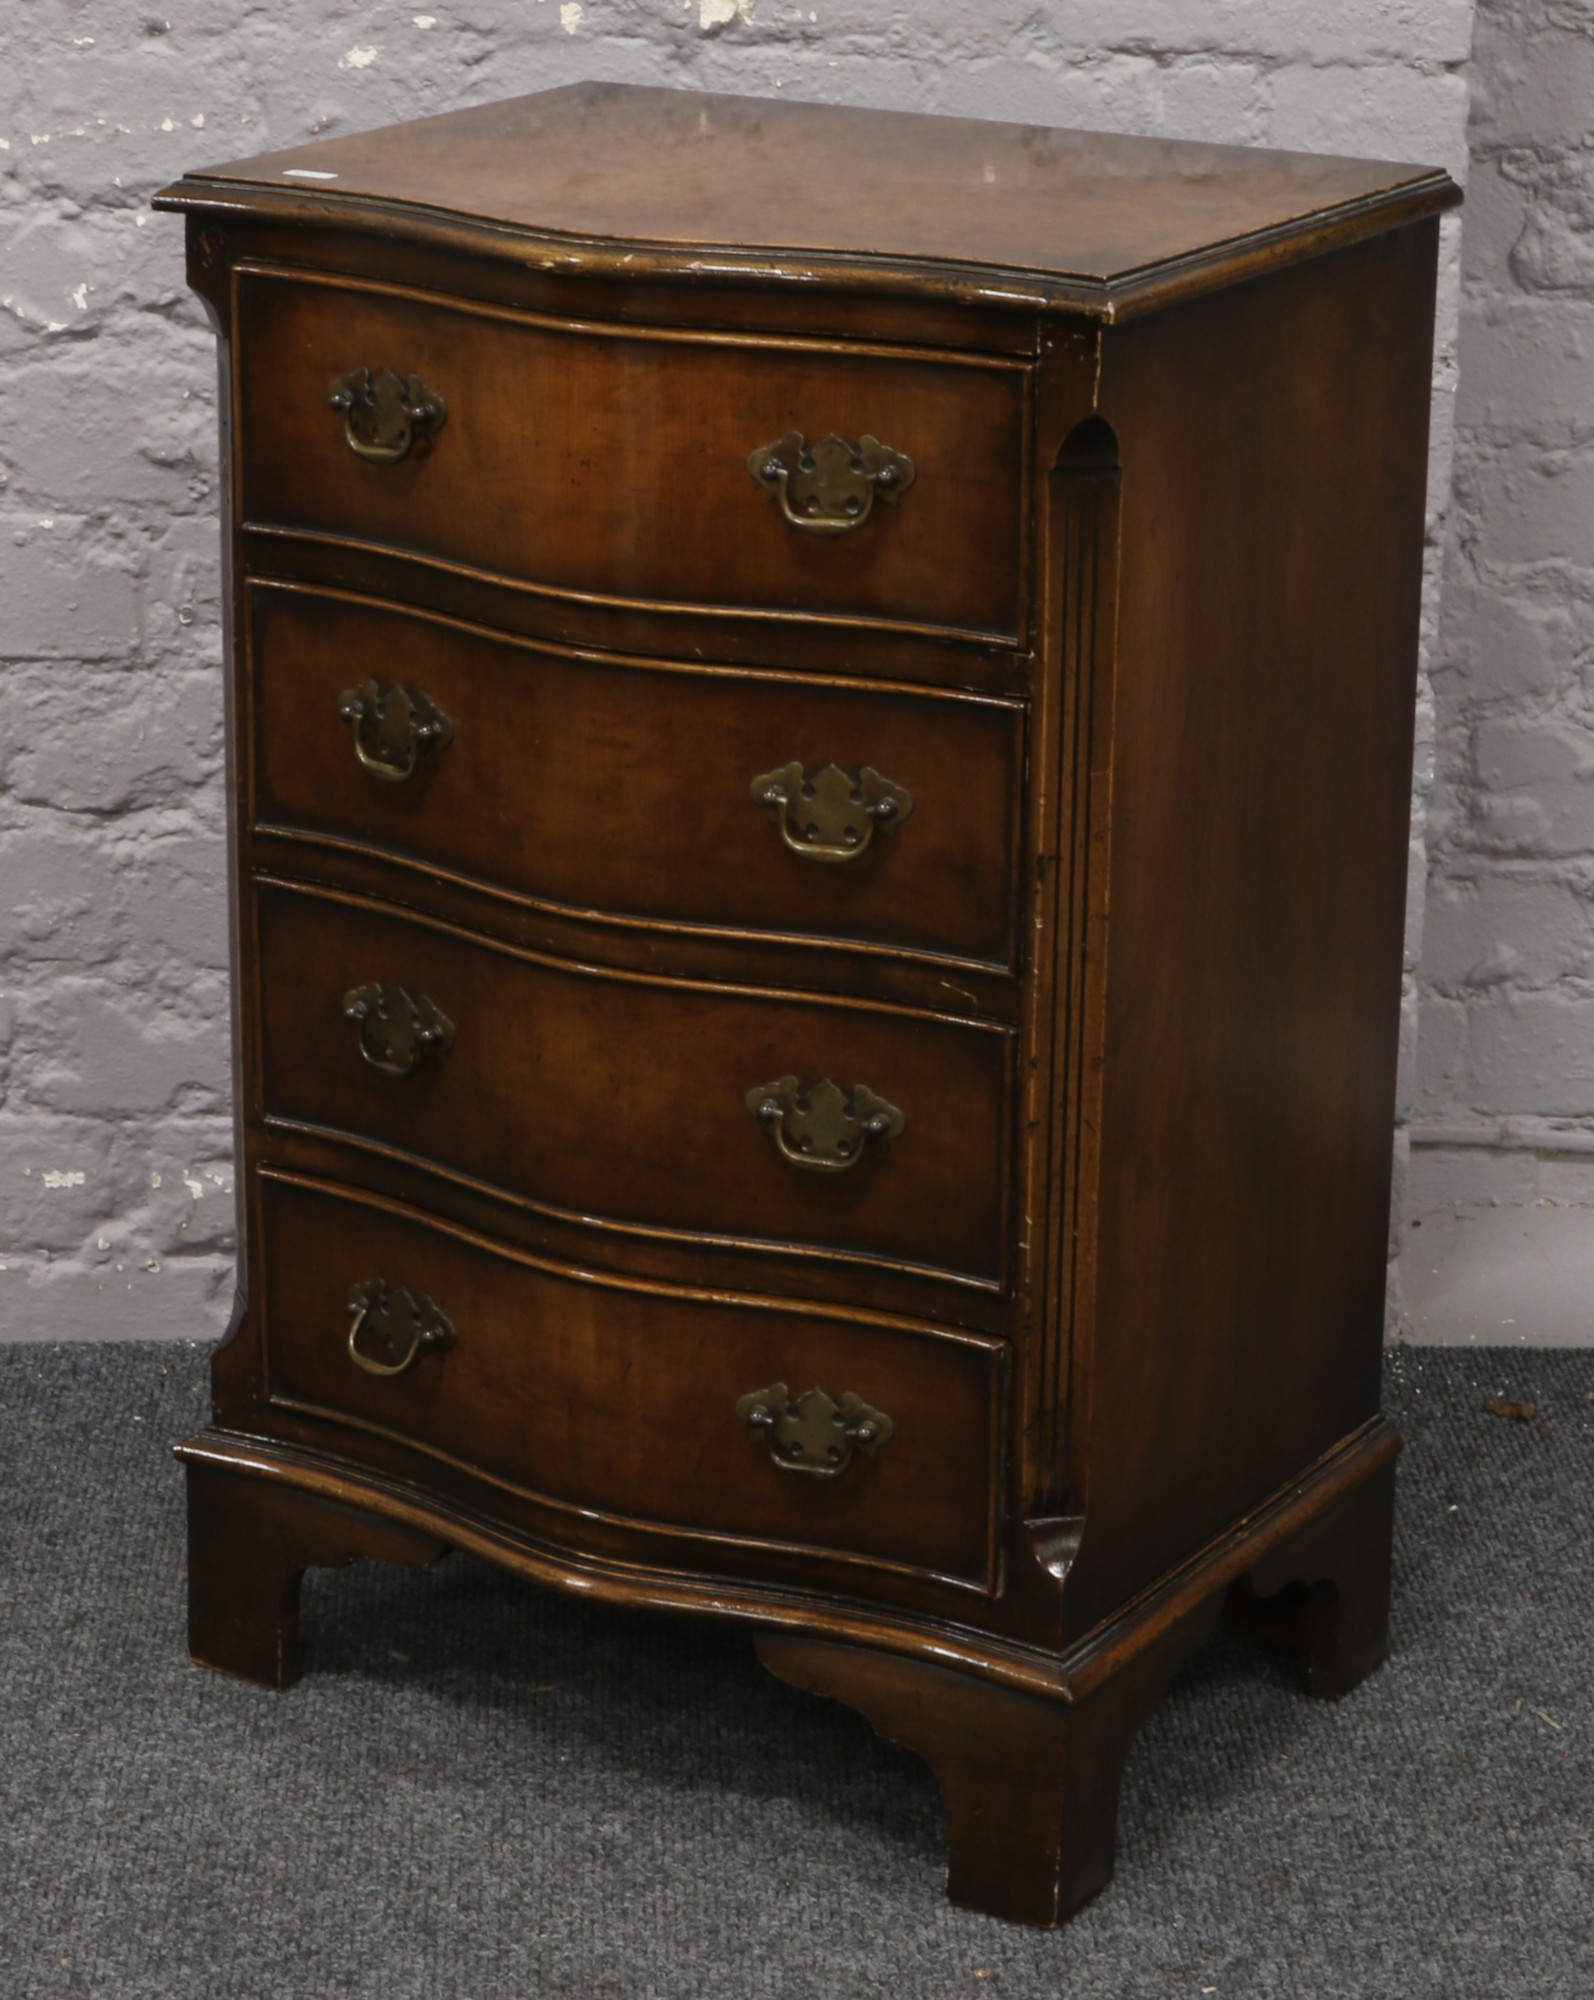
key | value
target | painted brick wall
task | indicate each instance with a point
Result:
(1503, 1120)
(115, 1203)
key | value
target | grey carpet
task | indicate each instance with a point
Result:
(482, 1790)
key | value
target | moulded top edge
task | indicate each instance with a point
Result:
(602, 177)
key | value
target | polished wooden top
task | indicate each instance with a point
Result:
(711, 184)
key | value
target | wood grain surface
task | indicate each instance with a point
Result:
(621, 1399)
(606, 463)
(624, 786)
(695, 172)
(622, 1099)
(1139, 638)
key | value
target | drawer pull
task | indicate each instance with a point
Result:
(384, 415)
(823, 1127)
(397, 1029)
(811, 1433)
(393, 728)
(830, 816)
(829, 487)
(405, 1323)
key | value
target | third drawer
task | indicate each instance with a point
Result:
(639, 1103)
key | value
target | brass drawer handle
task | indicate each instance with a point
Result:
(823, 1127)
(811, 1433)
(397, 1029)
(393, 728)
(384, 415)
(829, 487)
(831, 816)
(406, 1324)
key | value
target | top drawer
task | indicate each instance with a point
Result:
(614, 464)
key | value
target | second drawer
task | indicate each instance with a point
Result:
(636, 1102)
(630, 789)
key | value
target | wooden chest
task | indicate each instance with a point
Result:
(821, 724)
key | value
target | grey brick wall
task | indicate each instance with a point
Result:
(1502, 1175)
(115, 1177)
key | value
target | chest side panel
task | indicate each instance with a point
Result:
(1273, 446)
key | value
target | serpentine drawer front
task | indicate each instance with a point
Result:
(636, 1089)
(595, 460)
(624, 1398)
(630, 789)
(821, 714)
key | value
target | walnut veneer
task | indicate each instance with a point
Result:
(821, 712)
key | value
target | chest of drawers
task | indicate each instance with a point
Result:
(821, 721)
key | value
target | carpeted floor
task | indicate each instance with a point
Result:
(484, 1792)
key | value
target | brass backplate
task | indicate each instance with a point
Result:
(831, 814)
(397, 1029)
(829, 487)
(384, 414)
(821, 1126)
(394, 727)
(403, 1324)
(813, 1433)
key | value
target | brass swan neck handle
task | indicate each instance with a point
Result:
(831, 814)
(813, 1433)
(405, 1324)
(829, 487)
(821, 1127)
(395, 728)
(385, 415)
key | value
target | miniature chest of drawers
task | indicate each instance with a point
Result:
(821, 722)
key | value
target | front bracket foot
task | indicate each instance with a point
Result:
(250, 1540)
(1030, 1781)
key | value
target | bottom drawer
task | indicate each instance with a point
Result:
(637, 1402)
